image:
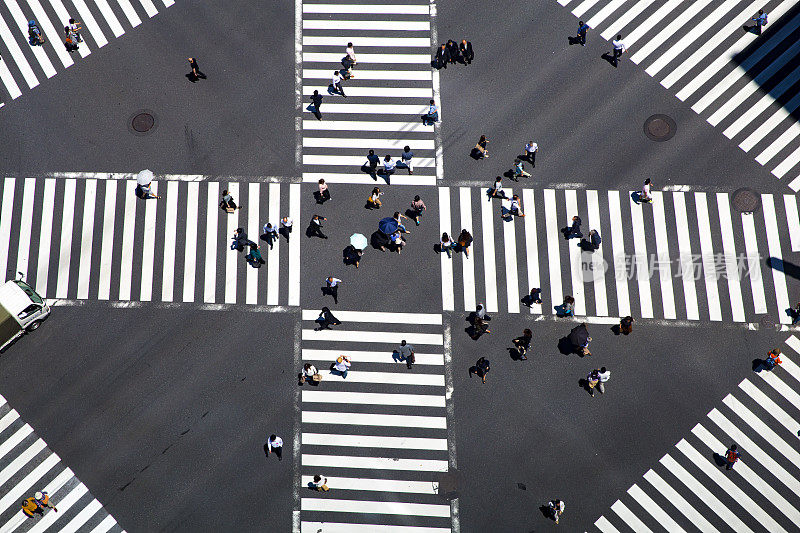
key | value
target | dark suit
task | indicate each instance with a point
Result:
(442, 57)
(452, 47)
(466, 52)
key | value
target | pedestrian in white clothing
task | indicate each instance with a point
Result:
(286, 227)
(332, 288)
(274, 445)
(619, 48)
(516, 207)
(269, 234)
(320, 483)
(388, 165)
(530, 150)
(645, 196)
(342, 365)
(336, 83)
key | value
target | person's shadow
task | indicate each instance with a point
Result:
(719, 460)
(567, 232)
(565, 346)
(586, 246)
(514, 354)
(573, 40)
(476, 154)
(584, 384)
(319, 198)
(505, 214)
(397, 357)
(285, 232)
(636, 197)
(752, 29)
(759, 365)
(608, 56)
(315, 111)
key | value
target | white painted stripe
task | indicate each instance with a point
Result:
(356, 125)
(374, 398)
(8, 419)
(90, 25)
(677, 23)
(111, 19)
(16, 53)
(795, 184)
(393, 378)
(626, 18)
(787, 164)
(575, 259)
(45, 236)
(334, 527)
(373, 25)
(82, 517)
(771, 407)
(191, 243)
(396, 143)
(396, 75)
(532, 245)
(774, 247)
(467, 263)
(604, 12)
(168, 3)
(375, 463)
(383, 507)
(778, 501)
(65, 252)
(629, 518)
(679, 503)
(6, 214)
(22, 459)
(8, 81)
(753, 111)
(598, 264)
(779, 144)
(232, 257)
(362, 178)
(647, 503)
(650, 22)
(605, 526)
(107, 250)
(11, 442)
(87, 236)
(553, 252)
(367, 441)
(754, 264)
(294, 247)
(212, 224)
(662, 253)
(170, 242)
(687, 266)
(130, 13)
(65, 502)
(377, 485)
(642, 263)
(510, 250)
(273, 254)
(755, 452)
(618, 253)
(52, 34)
(107, 523)
(128, 233)
(728, 486)
(25, 484)
(788, 365)
(697, 30)
(763, 430)
(707, 256)
(583, 7)
(489, 260)
(148, 245)
(372, 59)
(710, 43)
(377, 109)
(770, 124)
(357, 160)
(731, 261)
(363, 42)
(149, 8)
(380, 317)
(370, 357)
(21, 21)
(704, 495)
(388, 9)
(254, 229)
(384, 337)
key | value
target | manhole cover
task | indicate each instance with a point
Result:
(746, 200)
(143, 122)
(659, 128)
(448, 485)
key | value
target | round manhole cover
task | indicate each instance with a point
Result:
(746, 200)
(659, 128)
(143, 122)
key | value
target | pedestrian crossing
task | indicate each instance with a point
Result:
(380, 434)
(27, 465)
(687, 256)
(687, 491)
(744, 83)
(94, 239)
(24, 66)
(390, 90)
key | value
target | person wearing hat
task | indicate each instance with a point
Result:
(37, 504)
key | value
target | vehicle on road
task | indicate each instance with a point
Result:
(22, 311)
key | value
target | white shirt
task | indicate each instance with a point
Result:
(343, 366)
(332, 282)
(351, 53)
(389, 165)
(532, 147)
(397, 239)
(336, 78)
(73, 28)
(646, 189)
(323, 481)
(514, 205)
(311, 371)
(604, 376)
(480, 313)
(498, 186)
(277, 443)
(269, 228)
(619, 45)
(286, 222)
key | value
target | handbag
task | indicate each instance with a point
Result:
(316, 378)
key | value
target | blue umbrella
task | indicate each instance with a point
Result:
(358, 241)
(387, 225)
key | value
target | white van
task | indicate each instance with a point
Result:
(21, 310)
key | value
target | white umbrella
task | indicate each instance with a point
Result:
(144, 177)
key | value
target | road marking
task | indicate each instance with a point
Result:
(45, 235)
(22, 460)
(374, 463)
(212, 229)
(87, 236)
(445, 262)
(22, 433)
(575, 259)
(625, 19)
(553, 251)
(687, 266)
(392, 378)
(372, 25)
(65, 502)
(762, 429)
(679, 503)
(774, 247)
(55, 36)
(149, 8)
(707, 256)
(357, 161)
(82, 517)
(382, 507)
(24, 485)
(396, 143)
(361, 41)
(619, 256)
(128, 233)
(510, 249)
(377, 109)
(489, 257)
(531, 245)
(650, 22)
(65, 252)
(21, 21)
(383, 337)
(380, 317)
(334, 527)
(364, 179)
(274, 253)
(90, 24)
(662, 252)
(294, 247)
(467, 263)
(604, 12)
(369, 441)
(111, 19)
(369, 59)
(640, 254)
(170, 236)
(373, 398)
(677, 23)
(378, 485)
(605, 526)
(392, 9)
(653, 509)
(400, 128)
(253, 228)
(773, 122)
(191, 242)
(22, 64)
(598, 264)
(754, 111)
(364, 356)
(130, 13)
(5, 221)
(754, 264)
(232, 256)
(395, 75)
(731, 264)
(148, 246)
(770, 406)
(629, 518)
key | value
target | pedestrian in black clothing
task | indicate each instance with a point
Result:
(326, 319)
(467, 55)
(372, 163)
(575, 229)
(332, 287)
(452, 47)
(731, 456)
(582, 29)
(315, 227)
(196, 73)
(316, 101)
(760, 20)
(240, 240)
(594, 239)
(535, 295)
(523, 343)
(481, 368)
(442, 57)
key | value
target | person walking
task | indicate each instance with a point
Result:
(522, 343)
(445, 244)
(519, 170)
(582, 29)
(575, 229)
(465, 48)
(418, 206)
(594, 239)
(286, 227)
(227, 203)
(342, 365)
(309, 373)
(455, 54)
(405, 159)
(515, 209)
(480, 146)
(731, 456)
(374, 201)
(144, 192)
(37, 504)
(350, 54)
(196, 74)
(332, 288)
(530, 151)
(535, 295)
(274, 445)
(795, 314)
(70, 41)
(269, 234)
(388, 165)
(773, 359)
(352, 255)
(372, 164)
(320, 483)
(556, 509)
(316, 101)
(239, 239)
(324, 193)
(618, 48)
(442, 57)
(626, 325)
(75, 28)
(326, 319)
(760, 20)
(569, 306)
(336, 83)
(597, 378)
(397, 241)
(583, 350)
(496, 190)
(432, 117)
(481, 368)
(406, 353)
(315, 227)
(253, 257)
(400, 226)
(645, 196)
(464, 241)
(480, 312)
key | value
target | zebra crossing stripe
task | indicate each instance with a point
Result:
(382, 42)
(662, 253)
(392, 378)
(375, 463)
(170, 235)
(111, 19)
(65, 503)
(468, 263)
(378, 485)
(605, 526)
(5, 220)
(770, 124)
(273, 254)
(686, 257)
(375, 25)
(366, 58)
(707, 256)
(445, 263)
(510, 249)
(381, 317)
(625, 19)
(629, 518)
(576, 268)
(21, 22)
(395, 75)
(793, 220)
(597, 265)
(489, 257)
(210, 268)
(754, 264)
(294, 248)
(338, 142)
(531, 245)
(45, 235)
(190, 246)
(359, 506)
(753, 111)
(772, 408)
(650, 22)
(107, 523)
(776, 257)
(32, 478)
(679, 502)
(652, 508)
(149, 8)
(335, 527)
(87, 236)
(148, 248)
(53, 35)
(677, 23)
(130, 13)
(253, 228)
(128, 233)
(364, 356)
(382, 9)
(65, 254)
(553, 253)
(640, 256)
(231, 256)
(373, 398)
(359, 125)
(16, 53)
(370, 441)
(729, 251)
(90, 24)
(618, 253)
(82, 517)
(791, 368)
(11, 442)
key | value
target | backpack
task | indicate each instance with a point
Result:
(731, 456)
